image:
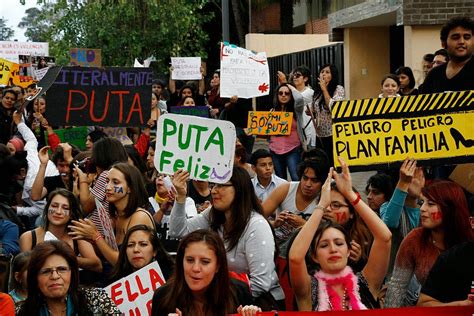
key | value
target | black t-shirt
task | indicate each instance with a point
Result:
(196, 196)
(239, 112)
(451, 276)
(54, 182)
(436, 81)
(241, 290)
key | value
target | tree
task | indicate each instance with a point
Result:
(6, 33)
(125, 30)
(35, 24)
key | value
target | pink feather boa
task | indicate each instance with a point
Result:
(328, 297)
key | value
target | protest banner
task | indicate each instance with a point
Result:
(186, 68)
(85, 57)
(431, 128)
(10, 50)
(119, 133)
(32, 65)
(38, 74)
(133, 294)
(269, 123)
(203, 147)
(201, 111)
(406, 311)
(73, 135)
(10, 75)
(100, 96)
(243, 73)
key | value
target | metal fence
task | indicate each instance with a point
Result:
(313, 59)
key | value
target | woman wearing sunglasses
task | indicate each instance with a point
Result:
(286, 149)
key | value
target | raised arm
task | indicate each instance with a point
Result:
(171, 82)
(379, 256)
(300, 280)
(275, 199)
(38, 191)
(179, 224)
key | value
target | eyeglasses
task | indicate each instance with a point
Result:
(283, 92)
(297, 75)
(219, 186)
(336, 205)
(61, 270)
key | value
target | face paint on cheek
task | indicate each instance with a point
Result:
(341, 216)
(436, 216)
(118, 189)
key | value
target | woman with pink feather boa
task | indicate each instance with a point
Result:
(335, 287)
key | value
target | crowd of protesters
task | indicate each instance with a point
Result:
(257, 242)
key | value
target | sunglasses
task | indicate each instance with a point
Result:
(283, 93)
(297, 75)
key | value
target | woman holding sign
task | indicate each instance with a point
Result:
(53, 285)
(236, 215)
(201, 284)
(141, 247)
(286, 149)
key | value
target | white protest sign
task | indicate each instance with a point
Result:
(119, 133)
(204, 147)
(11, 49)
(243, 73)
(39, 73)
(186, 68)
(133, 294)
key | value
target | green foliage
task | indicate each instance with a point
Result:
(126, 30)
(6, 33)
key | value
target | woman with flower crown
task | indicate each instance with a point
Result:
(335, 287)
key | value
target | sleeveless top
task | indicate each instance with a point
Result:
(366, 296)
(34, 241)
(285, 230)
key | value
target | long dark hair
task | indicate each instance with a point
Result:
(107, 151)
(75, 210)
(455, 212)
(409, 73)
(137, 198)
(332, 85)
(245, 201)
(39, 255)
(220, 297)
(123, 266)
(290, 106)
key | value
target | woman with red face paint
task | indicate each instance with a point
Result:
(335, 287)
(444, 223)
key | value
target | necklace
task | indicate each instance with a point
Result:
(344, 305)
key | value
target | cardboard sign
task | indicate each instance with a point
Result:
(85, 57)
(133, 294)
(431, 128)
(203, 147)
(119, 133)
(186, 68)
(100, 96)
(10, 50)
(74, 135)
(201, 111)
(464, 176)
(243, 73)
(32, 65)
(269, 123)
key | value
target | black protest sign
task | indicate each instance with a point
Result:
(431, 128)
(100, 96)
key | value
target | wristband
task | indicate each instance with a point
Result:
(320, 208)
(98, 237)
(356, 201)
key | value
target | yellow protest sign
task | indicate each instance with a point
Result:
(10, 74)
(429, 127)
(269, 123)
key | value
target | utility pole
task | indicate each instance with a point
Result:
(225, 21)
